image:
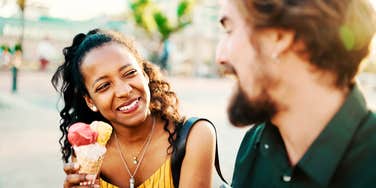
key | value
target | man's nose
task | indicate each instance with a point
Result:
(220, 54)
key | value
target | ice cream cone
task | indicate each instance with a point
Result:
(104, 131)
(89, 144)
(90, 157)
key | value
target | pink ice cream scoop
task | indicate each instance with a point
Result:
(81, 134)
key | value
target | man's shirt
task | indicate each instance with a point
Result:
(343, 155)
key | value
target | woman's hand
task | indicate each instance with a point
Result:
(76, 180)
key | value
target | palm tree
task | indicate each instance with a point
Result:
(153, 20)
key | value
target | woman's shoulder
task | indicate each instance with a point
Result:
(202, 136)
(200, 153)
(202, 127)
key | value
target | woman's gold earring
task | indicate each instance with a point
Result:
(94, 108)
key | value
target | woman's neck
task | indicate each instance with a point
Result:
(130, 135)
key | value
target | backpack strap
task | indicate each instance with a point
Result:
(178, 156)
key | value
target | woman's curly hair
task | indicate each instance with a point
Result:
(163, 102)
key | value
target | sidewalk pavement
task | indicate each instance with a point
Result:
(29, 150)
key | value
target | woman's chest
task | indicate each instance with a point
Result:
(118, 167)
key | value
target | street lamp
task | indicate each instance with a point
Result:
(18, 47)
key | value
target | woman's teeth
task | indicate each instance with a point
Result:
(130, 106)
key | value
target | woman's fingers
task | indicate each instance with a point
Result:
(97, 181)
(87, 186)
(76, 180)
(79, 180)
(71, 168)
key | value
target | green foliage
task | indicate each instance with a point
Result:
(18, 47)
(184, 14)
(148, 16)
(163, 25)
(4, 47)
(139, 11)
(182, 8)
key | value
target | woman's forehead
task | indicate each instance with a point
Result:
(110, 53)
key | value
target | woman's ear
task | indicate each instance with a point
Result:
(90, 103)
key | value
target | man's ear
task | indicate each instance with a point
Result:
(275, 42)
(90, 103)
(284, 41)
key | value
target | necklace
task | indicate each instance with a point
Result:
(131, 179)
(135, 158)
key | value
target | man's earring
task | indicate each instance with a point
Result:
(94, 108)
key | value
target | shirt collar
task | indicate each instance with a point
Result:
(325, 153)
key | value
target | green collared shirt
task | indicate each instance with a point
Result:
(343, 155)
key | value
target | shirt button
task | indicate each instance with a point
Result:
(266, 146)
(286, 178)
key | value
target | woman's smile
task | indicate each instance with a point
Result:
(130, 106)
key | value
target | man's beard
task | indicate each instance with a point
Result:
(243, 111)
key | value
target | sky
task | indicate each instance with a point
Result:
(75, 9)
(85, 9)
(69, 9)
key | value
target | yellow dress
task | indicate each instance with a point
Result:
(162, 178)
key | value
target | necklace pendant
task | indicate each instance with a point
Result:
(135, 161)
(131, 182)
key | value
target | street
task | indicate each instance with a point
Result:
(29, 149)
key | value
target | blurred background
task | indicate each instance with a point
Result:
(178, 35)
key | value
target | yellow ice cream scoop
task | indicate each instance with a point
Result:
(104, 131)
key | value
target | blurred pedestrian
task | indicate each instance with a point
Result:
(295, 62)
(46, 51)
(5, 56)
(165, 54)
(16, 60)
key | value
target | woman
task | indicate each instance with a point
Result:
(104, 78)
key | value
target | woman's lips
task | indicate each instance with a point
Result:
(130, 107)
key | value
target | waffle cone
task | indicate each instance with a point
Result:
(89, 165)
(90, 157)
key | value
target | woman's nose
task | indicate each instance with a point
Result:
(122, 90)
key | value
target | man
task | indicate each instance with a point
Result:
(295, 63)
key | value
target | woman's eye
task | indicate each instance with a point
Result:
(130, 73)
(102, 87)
